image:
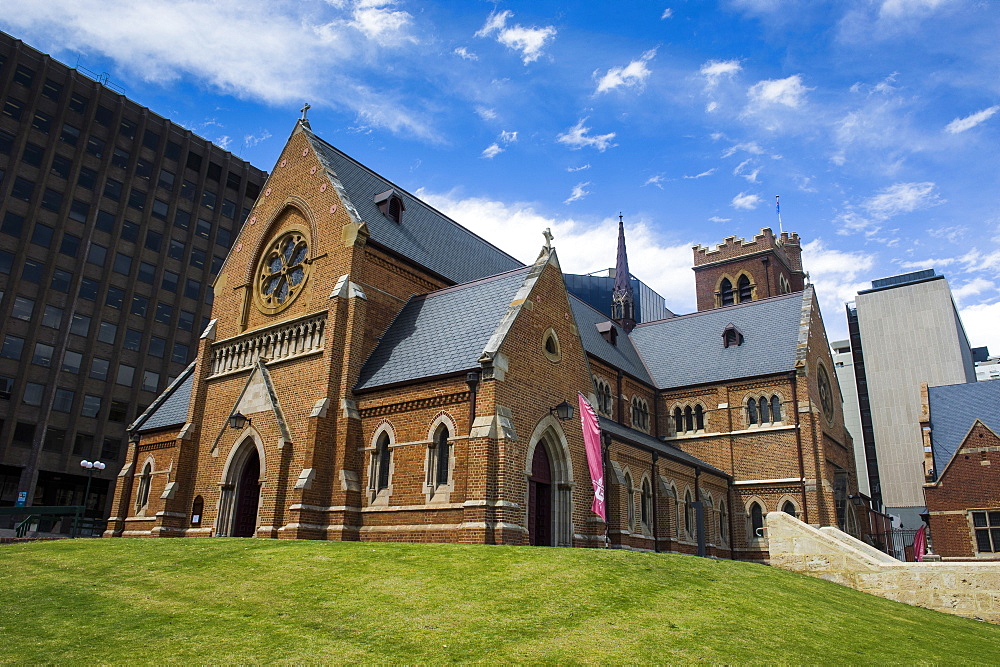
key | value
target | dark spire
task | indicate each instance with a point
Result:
(622, 300)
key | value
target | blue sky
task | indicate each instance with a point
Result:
(876, 121)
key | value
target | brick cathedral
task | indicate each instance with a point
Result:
(374, 371)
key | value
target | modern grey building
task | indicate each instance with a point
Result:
(113, 224)
(844, 365)
(904, 331)
(596, 290)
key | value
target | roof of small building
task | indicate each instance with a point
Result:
(688, 349)
(954, 408)
(441, 332)
(424, 234)
(667, 450)
(171, 407)
(621, 355)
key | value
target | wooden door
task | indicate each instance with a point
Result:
(247, 498)
(540, 499)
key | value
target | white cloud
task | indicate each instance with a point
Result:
(713, 70)
(572, 169)
(746, 201)
(789, 92)
(972, 288)
(902, 8)
(980, 322)
(583, 247)
(656, 180)
(252, 49)
(969, 122)
(667, 13)
(901, 198)
(747, 170)
(528, 41)
(486, 113)
(711, 106)
(579, 192)
(716, 218)
(578, 137)
(506, 138)
(250, 140)
(749, 147)
(465, 54)
(838, 276)
(703, 174)
(633, 75)
(223, 142)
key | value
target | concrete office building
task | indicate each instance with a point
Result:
(113, 223)
(905, 330)
(843, 363)
(595, 290)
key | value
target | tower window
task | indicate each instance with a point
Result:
(726, 292)
(743, 285)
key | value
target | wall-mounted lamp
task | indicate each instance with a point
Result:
(238, 420)
(563, 411)
(857, 499)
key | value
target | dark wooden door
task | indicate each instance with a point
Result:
(247, 498)
(540, 499)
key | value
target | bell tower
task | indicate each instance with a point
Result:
(622, 299)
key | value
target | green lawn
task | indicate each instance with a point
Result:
(244, 600)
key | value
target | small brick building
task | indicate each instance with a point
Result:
(375, 371)
(960, 425)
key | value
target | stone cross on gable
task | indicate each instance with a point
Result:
(548, 238)
(305, 109)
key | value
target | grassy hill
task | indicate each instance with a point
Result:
(241, 600)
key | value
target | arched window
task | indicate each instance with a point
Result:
(743, 285)
(788, 507)
(197, 509)
(688, 419)
(726, 292)
(678, 420)
(723, 521)
(783, 286)
(441, 455)
(775, 409)
(688, 514)
(765, 412)
(604, 405)
(142, 496)
(383, 458)
(756, 519)
(699, 418)
(629, 502)
(640, 414)
(645, 503)
(752, 411)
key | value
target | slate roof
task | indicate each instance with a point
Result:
(687, 349)
(171, 407)
(954, 408)
(425, 235)
(623, 355)
(667, 450)
(441, 332)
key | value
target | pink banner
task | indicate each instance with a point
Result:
(920, 544)
(592, 440)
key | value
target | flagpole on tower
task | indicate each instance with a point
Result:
(777, 209)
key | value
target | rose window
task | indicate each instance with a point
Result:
(283, 271)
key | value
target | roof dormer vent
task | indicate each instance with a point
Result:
(731, 336)
(609, 331)
(391, 205)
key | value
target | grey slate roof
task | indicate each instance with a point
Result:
(954, 409)
(687, 349)
(171, 407)
(667, 450)
(425, 235)
(623, 355)
(441, 332)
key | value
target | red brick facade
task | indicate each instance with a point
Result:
(321, 445)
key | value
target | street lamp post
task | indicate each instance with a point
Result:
(90, 466)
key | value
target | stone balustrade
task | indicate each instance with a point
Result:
(286, 340)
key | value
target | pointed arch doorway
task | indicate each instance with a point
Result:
(540, 499)
(239, 500)
(247, 497)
